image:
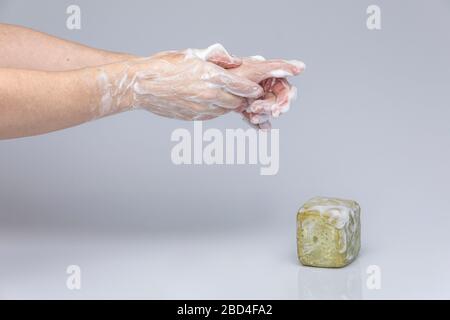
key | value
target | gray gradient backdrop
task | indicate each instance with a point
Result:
(371, 124)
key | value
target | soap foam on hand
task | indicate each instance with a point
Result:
(279, 93)
(253, 86)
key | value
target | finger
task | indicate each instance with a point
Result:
(268, 84)
(263, 126)
(292, 95)
(246, 118)
(229, 101)
(282, 90)
(236, 85)
(220, 56)
(285, 94)
(259, 118)
(264, 105)
(279, 69)
(191, 108)
(258, 71)
(226, 62)
(242, 108)
(288, 67)
(218, 98)
(256, 118)
(216, 54)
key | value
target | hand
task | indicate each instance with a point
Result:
(278, 92)
(179, 84)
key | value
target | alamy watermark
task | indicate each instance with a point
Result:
(73, 21)
(373, 21)
(73, 281)
(373, 281)
(236, 146)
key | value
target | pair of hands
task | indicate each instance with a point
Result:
(203, 84)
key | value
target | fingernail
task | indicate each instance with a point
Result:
(299, 65)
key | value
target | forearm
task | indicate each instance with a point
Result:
(36, 102)
(23, 48)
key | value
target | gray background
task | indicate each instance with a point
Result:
(371, 124)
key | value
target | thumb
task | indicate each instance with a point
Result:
(258, 71)
(218, 55)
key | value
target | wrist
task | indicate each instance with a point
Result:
(125, 80)
(116, 57)
(116, 84)
(113, 87)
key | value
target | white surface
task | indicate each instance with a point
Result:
(211, 266)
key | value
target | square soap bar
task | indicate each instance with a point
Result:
(328, 232)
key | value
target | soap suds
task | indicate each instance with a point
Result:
(342, 215)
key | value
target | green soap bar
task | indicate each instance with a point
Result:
(328, 232)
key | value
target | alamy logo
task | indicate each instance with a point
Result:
(73, 21)
(73, 281)
(230, 149)
(374, 17)
(374, 277)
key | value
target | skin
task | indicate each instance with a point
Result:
(278, 93)
(23, 48)
(48, 84)
(36, 102)
(176, 85)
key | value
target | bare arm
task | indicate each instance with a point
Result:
(34, 102)
(175, 84)
(47, 83)
(23, 48)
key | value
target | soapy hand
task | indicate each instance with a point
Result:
(50, 84)
(271, 75)
(178, 84)
(201, 84)
(278, 92)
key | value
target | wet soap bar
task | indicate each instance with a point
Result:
(328, 232)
